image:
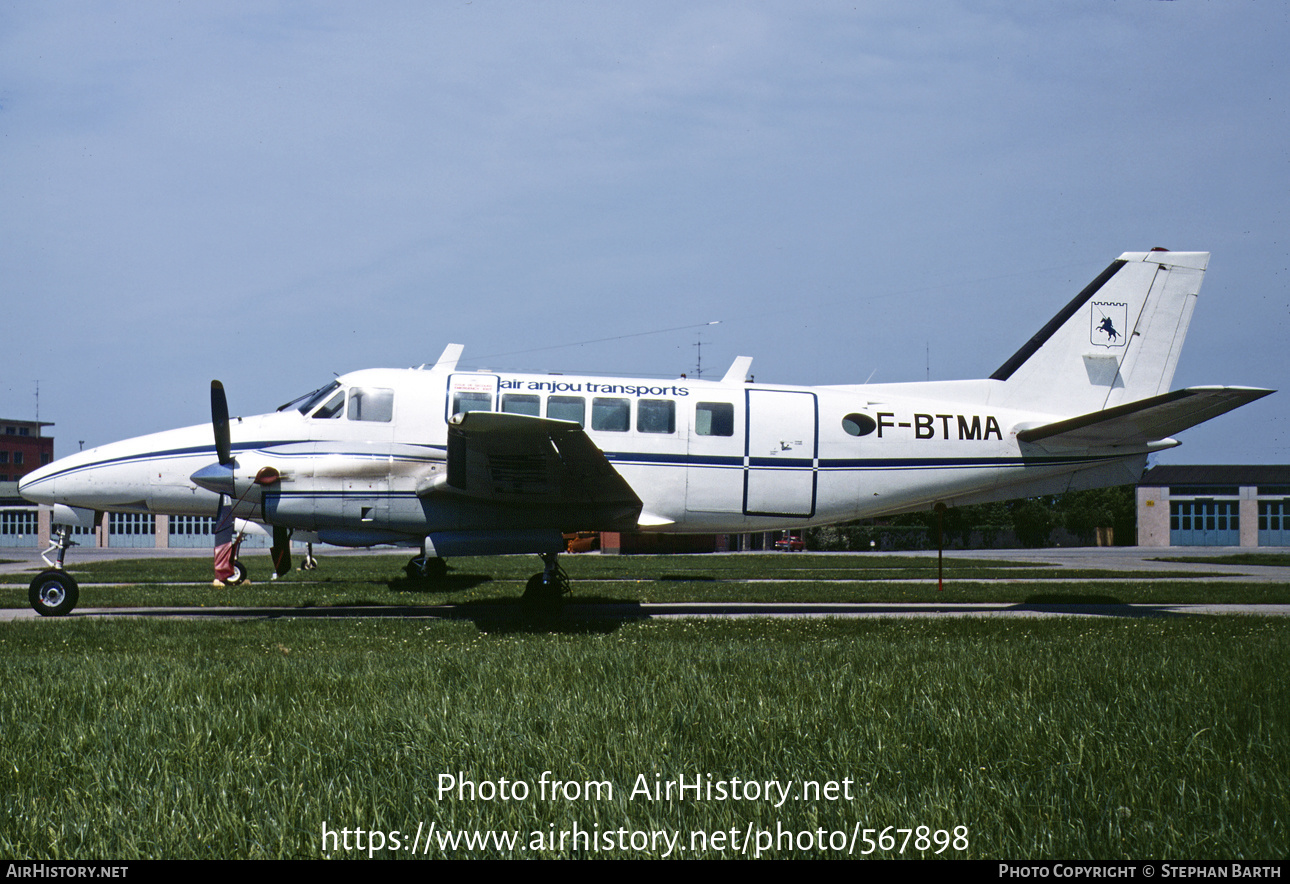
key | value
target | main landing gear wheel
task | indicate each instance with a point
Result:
(240, 574)
(422, 568)
(545, 592)
(53, 593)
(551, 586)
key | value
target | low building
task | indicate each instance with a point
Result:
(1214, 506)
(23, 448)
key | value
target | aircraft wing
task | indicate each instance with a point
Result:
(1146, 420)
(514, 463)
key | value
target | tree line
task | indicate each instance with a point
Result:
(1030, 522)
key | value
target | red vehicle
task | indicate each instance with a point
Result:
(790, 544)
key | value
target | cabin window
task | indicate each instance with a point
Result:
(714, 419)
(522, 403)
(371, 404)
(611, 415)
(656, 416)
(334, 407)
(567, 408)
(465, 402)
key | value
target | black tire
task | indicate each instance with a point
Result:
(53, 593)
(239, 574)
(540, 591)
(419, 568)
(415, 568)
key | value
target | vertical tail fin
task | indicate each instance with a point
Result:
(1118, 341)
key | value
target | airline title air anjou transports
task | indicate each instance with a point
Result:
(477, 463)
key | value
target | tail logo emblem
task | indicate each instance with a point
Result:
(1108, 320)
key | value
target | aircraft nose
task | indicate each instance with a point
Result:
(40, 486)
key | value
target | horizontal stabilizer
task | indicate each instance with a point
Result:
(1144, 421)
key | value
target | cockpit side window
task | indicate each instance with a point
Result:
(334, 407)
(371, 404)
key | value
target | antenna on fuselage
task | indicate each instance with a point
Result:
(447, 361)
(737, 373)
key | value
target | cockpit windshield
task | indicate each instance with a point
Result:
(306, 403)
(327, 403)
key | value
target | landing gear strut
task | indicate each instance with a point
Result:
(551, 585)
(54, 592)
(63, 542)
(309, 562)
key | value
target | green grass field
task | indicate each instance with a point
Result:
(379, 580)
(1102, 738)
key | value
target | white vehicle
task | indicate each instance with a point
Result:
(477, 463)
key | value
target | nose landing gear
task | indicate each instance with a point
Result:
(54, 592)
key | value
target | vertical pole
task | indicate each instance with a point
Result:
(940, 547)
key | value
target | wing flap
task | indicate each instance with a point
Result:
(514, 462)
(1144, 421)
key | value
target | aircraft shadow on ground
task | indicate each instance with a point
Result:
(448, 584)
(1092, 606)
(1067, 599)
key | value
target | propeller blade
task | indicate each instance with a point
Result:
(219, 417)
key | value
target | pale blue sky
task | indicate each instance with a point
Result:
(267, 194)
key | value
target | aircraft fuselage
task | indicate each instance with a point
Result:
(703, 456)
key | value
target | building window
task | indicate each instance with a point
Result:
(1204, 522)
(1274, 522)
(17, 522)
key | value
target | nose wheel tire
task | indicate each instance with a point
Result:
(53, 593)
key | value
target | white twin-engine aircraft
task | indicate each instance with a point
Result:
(476, 463)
